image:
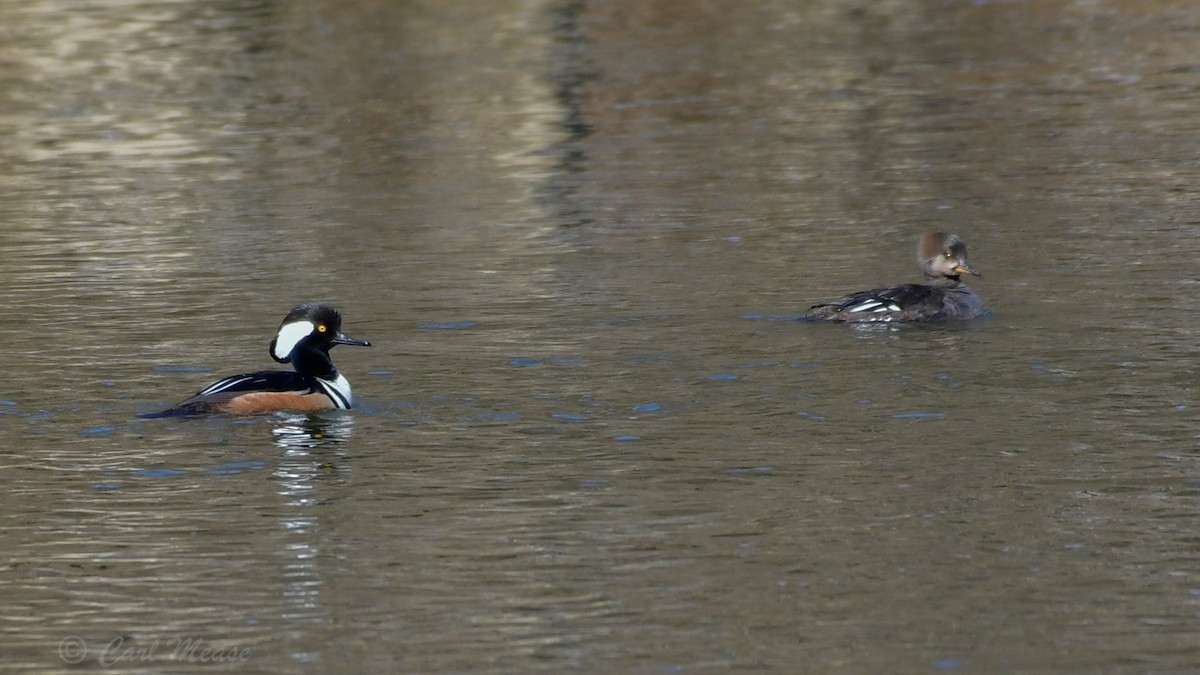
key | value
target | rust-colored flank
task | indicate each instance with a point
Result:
(269, 401)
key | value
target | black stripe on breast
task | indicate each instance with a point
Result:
(332, 392)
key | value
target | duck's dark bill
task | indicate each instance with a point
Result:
(346, 340)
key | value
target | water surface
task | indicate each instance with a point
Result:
(589, 435)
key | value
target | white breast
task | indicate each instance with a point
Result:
(338, 391)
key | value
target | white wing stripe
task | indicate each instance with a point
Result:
(223, 385)
(874, 305)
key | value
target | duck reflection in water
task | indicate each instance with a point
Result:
(302, 431)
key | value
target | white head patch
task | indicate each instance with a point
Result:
(289, 335)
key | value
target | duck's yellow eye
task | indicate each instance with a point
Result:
(321, 328)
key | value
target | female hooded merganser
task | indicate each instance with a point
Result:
(304, 339)
(943, 257)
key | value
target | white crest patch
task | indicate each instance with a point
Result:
(290, 334)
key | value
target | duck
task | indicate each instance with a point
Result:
(304, 339)
(942, 296)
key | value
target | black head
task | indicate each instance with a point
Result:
(307, 334)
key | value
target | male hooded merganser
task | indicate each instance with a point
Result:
(943, 257)
(304, 339)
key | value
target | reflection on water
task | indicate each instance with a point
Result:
(591, 433)
(310, 456)
(294, 431)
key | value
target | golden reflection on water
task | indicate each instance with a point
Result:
(117, 89)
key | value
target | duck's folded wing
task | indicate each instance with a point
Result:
(264, 380)
(215, 396)
(903, 298)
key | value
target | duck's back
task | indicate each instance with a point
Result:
(903, 302)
